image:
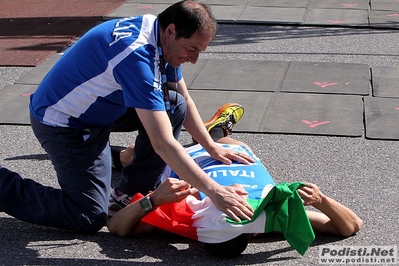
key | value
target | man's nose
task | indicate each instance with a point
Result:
(193, 58)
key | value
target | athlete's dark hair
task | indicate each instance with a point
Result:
(229, 249)
(189, 17)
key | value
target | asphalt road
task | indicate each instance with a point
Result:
(358, 172)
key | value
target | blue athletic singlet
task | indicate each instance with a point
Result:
(253, 177)
(113, 66)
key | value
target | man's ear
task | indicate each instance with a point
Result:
(171, 30)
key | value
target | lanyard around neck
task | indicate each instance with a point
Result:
(164, 80)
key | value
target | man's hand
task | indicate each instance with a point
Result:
(171, 190)
(126, 155)
(226, 156)
(231, 200)
(310, 194)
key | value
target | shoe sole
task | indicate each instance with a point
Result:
(219, 112)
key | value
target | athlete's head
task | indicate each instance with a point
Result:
(229, 249)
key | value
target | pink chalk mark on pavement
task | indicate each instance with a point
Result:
(325, 84)
(315, 123)
(26, 94)
(393, 15)
(146, 7)
(349, 5)
(336, 21)
(397, 108)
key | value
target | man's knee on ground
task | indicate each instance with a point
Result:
(92, 223)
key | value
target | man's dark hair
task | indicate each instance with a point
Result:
(229, 249)
(189, 17)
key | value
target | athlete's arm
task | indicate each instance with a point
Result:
(334, 218)
(127, 221)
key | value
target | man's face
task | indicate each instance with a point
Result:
(177, 52)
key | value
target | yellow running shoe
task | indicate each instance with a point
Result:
(226, 117)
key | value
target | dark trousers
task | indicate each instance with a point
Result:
(82, 161)
(146, 166)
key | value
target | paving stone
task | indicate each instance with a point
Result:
(387, 5)
(384, 19)
(381, 118)
(341, 4)
(337, 17)
(327, 78)
(314, 114)
(242, 75)
(270, 15)
(385, 81)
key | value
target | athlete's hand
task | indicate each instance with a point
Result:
(226, 156)
(310, 194)
(171, 190)
(231, 200)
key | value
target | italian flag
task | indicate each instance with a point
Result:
(280, 210)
